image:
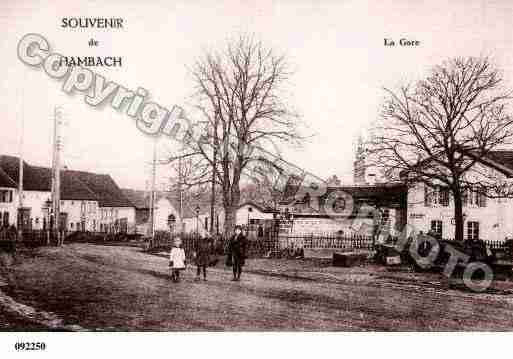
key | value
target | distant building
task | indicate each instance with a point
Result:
(431, 208)
(363, 173)
(167, 210)
(345, 209)
(84, 197)
(248, 213)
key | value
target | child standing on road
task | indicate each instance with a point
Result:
(202, 254)
(176, 259)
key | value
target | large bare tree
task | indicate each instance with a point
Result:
(240, 101)
(442, 128)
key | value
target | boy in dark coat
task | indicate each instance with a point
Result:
(237, 252)
(202, 254)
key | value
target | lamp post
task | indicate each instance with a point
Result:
(171, 219)
(46, 220)
(250, 209)
(197, 219)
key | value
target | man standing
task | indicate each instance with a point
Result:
(237, 252)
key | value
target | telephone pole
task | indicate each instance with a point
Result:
(56, 174)
(20, 173)
(152, 195)
(180, 194)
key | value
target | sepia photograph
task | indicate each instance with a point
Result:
(255, 167)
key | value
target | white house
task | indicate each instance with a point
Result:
(8, 199)
(83, 196)
(247, 213)
(166, 210)
(487, 218)
(114, 212)
(253, 214)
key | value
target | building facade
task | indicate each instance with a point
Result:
(85, 199)
(486, 216)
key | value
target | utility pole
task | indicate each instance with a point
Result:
(20, 174)
(152, 195)
(180, 194)
(56, 174)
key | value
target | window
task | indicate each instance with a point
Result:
(481, 200)
(474, 198)
(437, 228)
(385, 217)
(443, 196)
(472, 230)
(6, 219)
(5, 196)
(437, 195)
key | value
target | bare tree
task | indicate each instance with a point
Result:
(441, 129)
(242, 110)
(268, 181)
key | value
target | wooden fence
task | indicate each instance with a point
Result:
(327, 241)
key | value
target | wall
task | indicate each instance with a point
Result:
(495, 219)
(10, 207)
(81, 211)
(242, 214)
(164, 208)
(319, 225)
(108, 216)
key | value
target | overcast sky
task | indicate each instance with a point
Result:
(336, 49)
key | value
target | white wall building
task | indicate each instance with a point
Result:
(83, 195)
(485, 217)
(8, 200)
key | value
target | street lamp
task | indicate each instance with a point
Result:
(171, 222)
(250, 209)
(197, 219)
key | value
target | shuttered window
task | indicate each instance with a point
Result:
(428, 199)
(472, 230)
(443, 196)
(437, 227)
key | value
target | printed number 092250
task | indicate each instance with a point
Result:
(30, 346)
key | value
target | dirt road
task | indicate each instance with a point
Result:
(121, 288)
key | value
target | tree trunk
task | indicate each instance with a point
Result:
(458, 216)
(229, 219)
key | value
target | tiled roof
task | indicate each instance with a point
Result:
(380, 193)
(502, 157)
(37, 178)
(108, 192)
(259, 207)
(140, 199)
(6, 181)
(75, 185)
